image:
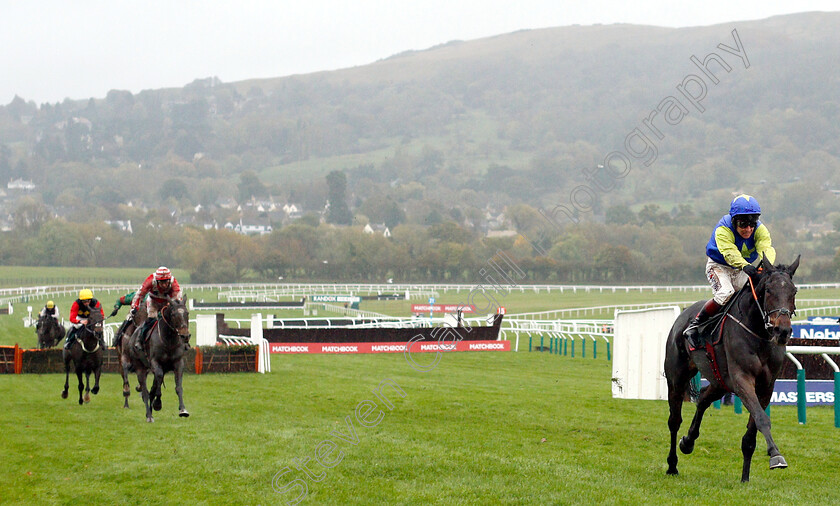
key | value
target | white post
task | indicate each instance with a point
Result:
(205, 330)
(257, 338)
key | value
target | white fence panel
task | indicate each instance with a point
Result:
(639, 352)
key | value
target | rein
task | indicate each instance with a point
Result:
(171, 327)
(82, 342)
(765, 316)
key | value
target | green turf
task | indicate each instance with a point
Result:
(480, 428)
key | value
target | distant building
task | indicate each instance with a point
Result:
(122, 225)
(20, 184)
(377, 228)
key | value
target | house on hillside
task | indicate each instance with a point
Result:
(253, 226)
(377, 228)
(121, 225)
(21, 184)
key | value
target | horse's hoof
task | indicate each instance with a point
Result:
(184, 413)
(64, 394)
(156, 405)
(150, 419)
(138, 389)
(94, 390)
(777, 462)
(686, 446)
(672, 472)
(87, 397)
(81, 402)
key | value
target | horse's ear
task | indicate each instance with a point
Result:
(766, 263)
(791, 269)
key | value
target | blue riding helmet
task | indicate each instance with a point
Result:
(744, 204)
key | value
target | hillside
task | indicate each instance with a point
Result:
(466, 129)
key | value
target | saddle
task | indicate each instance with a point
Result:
(710, 330)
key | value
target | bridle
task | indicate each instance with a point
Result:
(92, 329)
(765, 316)
(163, 319)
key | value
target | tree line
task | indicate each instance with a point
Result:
(308, 251)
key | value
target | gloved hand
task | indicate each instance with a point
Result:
(114, 312)
(750, 270)
(132, 313)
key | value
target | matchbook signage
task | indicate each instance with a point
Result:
(441, 308)
(416, 347)
(352, 299)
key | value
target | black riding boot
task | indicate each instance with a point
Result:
(118, 335)
(141, 339)
(692, 332)
(71, 336)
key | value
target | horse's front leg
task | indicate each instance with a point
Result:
(155, 392)
(126, 384)
(66, 375)
(707, 396)
(179, 376)
(81, 385)
(96, 373)
(144, 392)
(746, 390)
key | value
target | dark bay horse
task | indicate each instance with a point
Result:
(164, 353)
(749, 357)
(128, 326)
(49, 331)
(86, 355)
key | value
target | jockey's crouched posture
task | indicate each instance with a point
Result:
(48, 310)
(159, 285)
(80, 312)
(738, 240)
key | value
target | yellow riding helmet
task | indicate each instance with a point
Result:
(50, 304)
(85, 294)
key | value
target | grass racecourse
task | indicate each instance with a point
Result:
(477, 428)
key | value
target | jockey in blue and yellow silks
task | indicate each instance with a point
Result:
(738, 240)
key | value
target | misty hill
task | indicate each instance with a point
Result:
(463, 129)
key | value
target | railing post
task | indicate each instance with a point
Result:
(800, 395)
(836, 399)
(541, 342)
(738, 405)
(530, 341)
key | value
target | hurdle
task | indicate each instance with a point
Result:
(801, 401)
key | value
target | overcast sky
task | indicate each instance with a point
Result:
(53, 49)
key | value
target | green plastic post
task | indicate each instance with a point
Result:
(716, 404)
(800, 395)
(550, 344)
(836, 399)
(609, 357)
(530, 342)
(541, 342)
(583, 347)
(738, 405)
(594, 349)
